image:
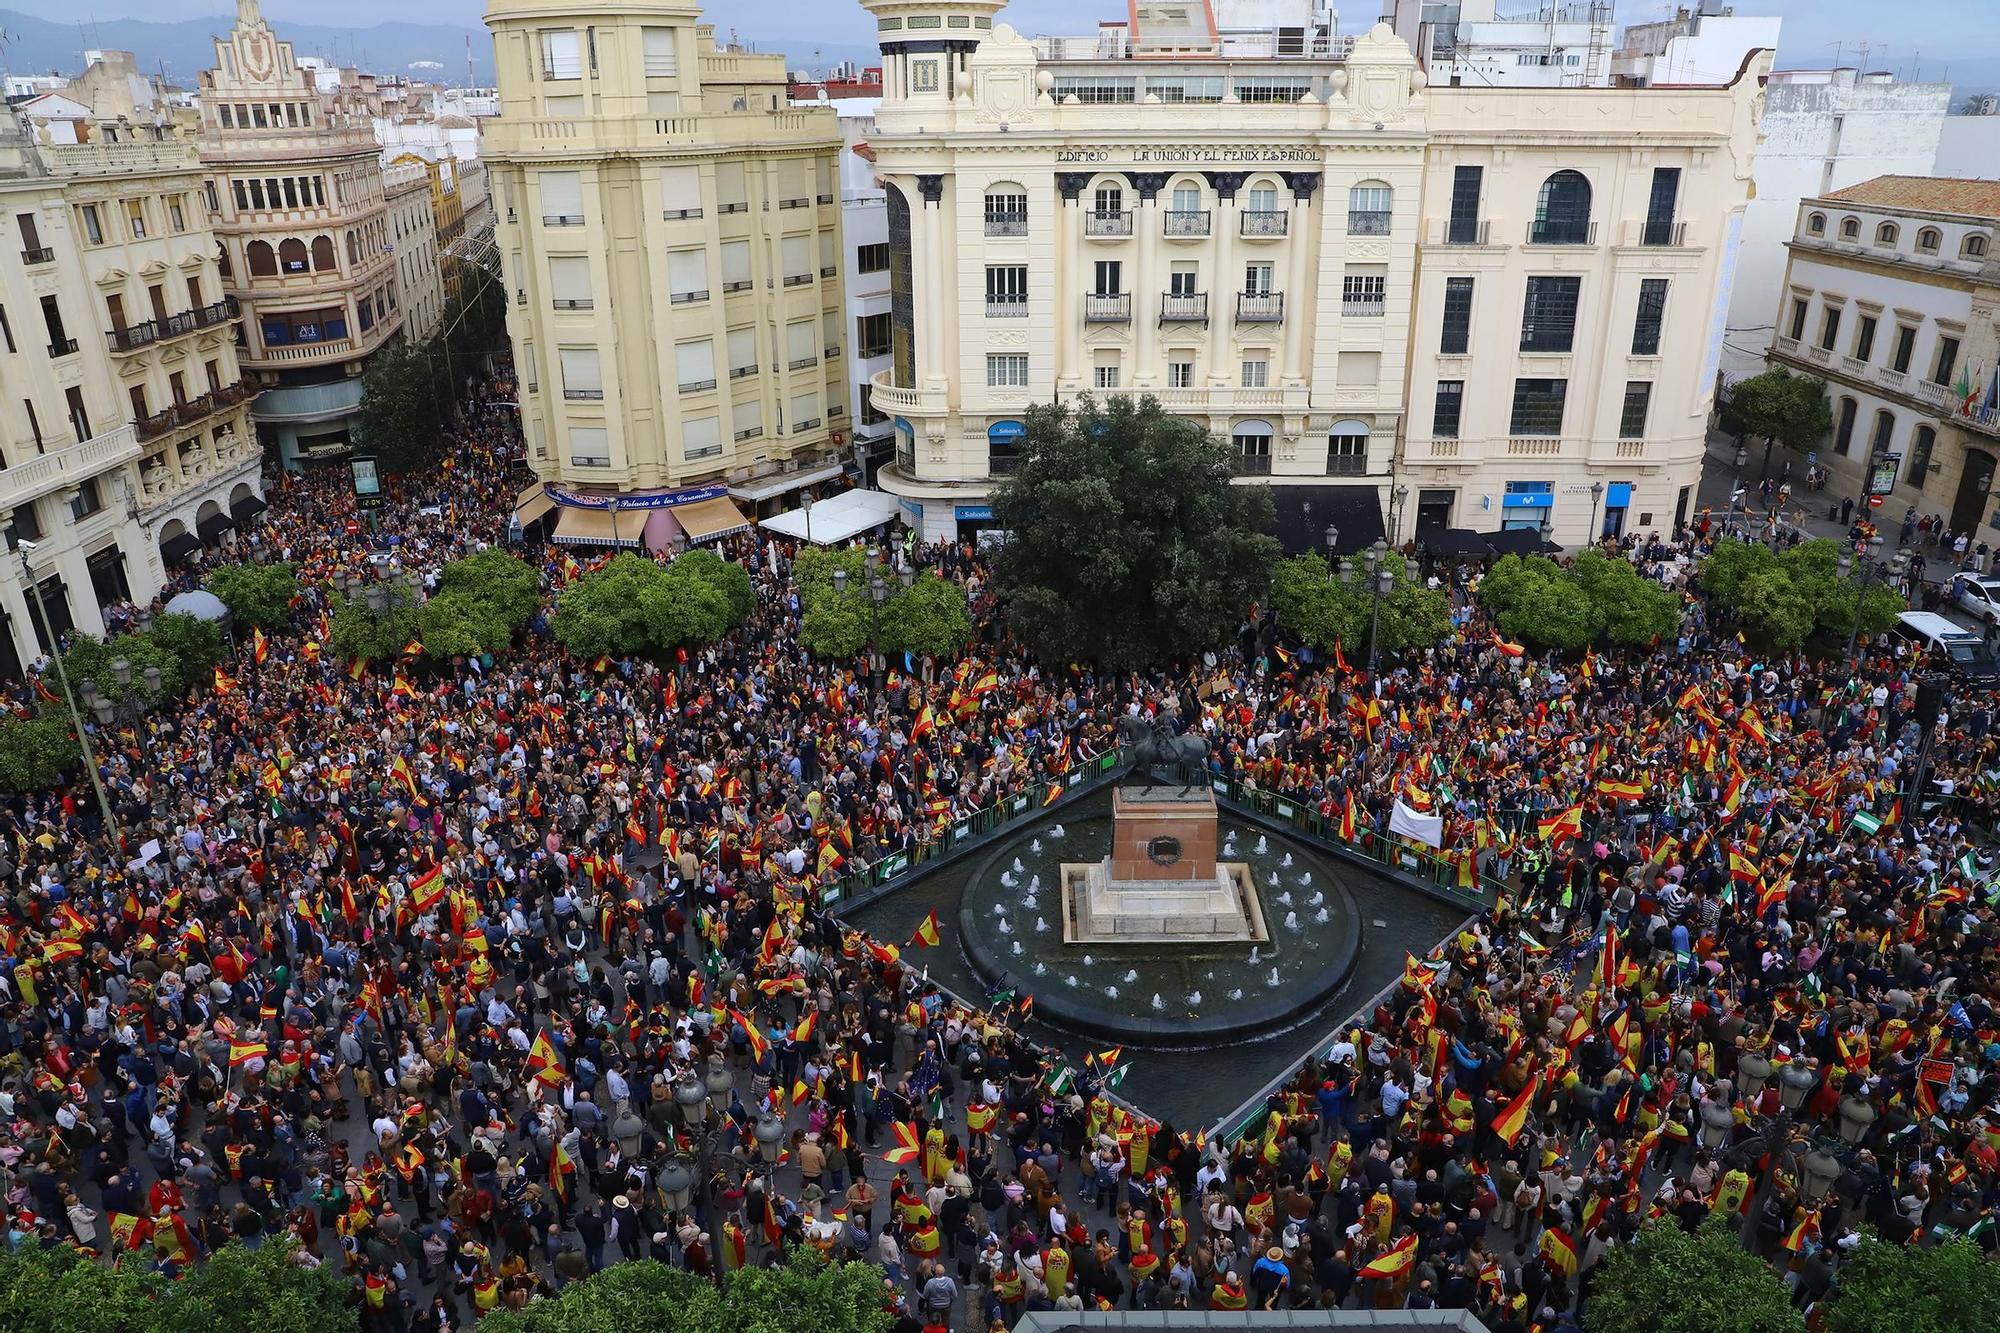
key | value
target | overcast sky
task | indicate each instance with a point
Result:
(1947, 30)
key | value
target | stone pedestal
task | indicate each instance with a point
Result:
(1161, 882)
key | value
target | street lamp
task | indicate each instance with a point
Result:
(878, 593)
(1869, 554)
(1396, 499)
(1384, 581)
(1596, 494)
(721, 1084)
(612, 505)
(23, 547)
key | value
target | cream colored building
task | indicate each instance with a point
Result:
(1261, 229)
(669, 237)
(302, 211)
(413, 240)
(124, 432)
(1891, 295)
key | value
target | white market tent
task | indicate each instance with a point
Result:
(835, 520)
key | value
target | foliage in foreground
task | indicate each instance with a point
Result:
(256, 594)
(927, 619)
(807, 1293)
(1948, 1288)
(242, 1290)
(1785, 598)
(1537, 601)
(1323, 610)
(35, 752)
(634, 605)
(1671, 1282)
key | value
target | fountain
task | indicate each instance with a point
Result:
(1161, 881)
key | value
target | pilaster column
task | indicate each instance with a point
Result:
(1224, 280)
(1071, 374)
(1305, 227)
(1148, 283)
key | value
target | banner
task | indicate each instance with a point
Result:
(1426, 829)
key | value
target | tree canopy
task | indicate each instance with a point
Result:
(1536, 600)
(1947, 1288)
(256, 594)
(1322, 610)
(1128, 543)
(634, 605)
(927, 619)
(805, 1293)
(400, 422)
(1783, 598)
(243, 1290)
(1671, 1282)
(1781, 408)
(35, 752)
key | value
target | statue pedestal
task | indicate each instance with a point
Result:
(1161, 882)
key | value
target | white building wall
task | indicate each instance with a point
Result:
(864, 226)
(1969, 146)
(1822, 130)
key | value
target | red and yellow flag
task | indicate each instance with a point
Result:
(927, 931)
(1394, 1261)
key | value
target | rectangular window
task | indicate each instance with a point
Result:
(6, 329)
(562, 198)
(872, 258)
(1006, 214)
(562, 54)
(1864, 338)
(694, 365)
(1538, 408)
(1363, 292)
(746, 419)
(1632, 416)
(701, 437)
(569, 282)
(1829, 327)
(1445, 410)
(871, 335)
(1006, 289)
(680, 193)
(93, 226)
(1184, 279)
(1256, 373)
(1798, 326)
(1107, 374)
(1109, 277)
(1007, 372)
(795, 257)
(1096, 89)
(1947, 360)
(1906, 347)
(805, 411)
(658, 44)
(742, 353)
(1257, 279)
(1456, 337)
(687, 276)
(1548, 318)
(1651, 317)
(176, 216)
(1180, 374)
(1463, 228)
(1347, 455)
(1660, 206)
(801, 345)
(735, 266)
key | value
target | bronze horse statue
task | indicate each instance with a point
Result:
(1149, 744)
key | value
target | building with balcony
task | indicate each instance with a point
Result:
(1288, 237)
(1891, 295)
(670, 243)
(125, 443)
(413, 240)
(301, 208)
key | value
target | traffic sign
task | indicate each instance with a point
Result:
(1874, 502)
(1812, 455)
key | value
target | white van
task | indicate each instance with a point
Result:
(1945, 643)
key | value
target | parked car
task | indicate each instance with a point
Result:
(1978, 594)
(1958, 651)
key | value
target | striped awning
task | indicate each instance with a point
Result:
(594, 527)
(706, 520)
(531, 504)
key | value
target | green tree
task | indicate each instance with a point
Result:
(60, 1291)
(1784, 598)
(1781, 407)
(258, 1291)
(256, 594)
(1536, 601)
(197, 644)
(725, 576)
(1670, 1282)
(1633, 609)
(1322, 610)
(1128, 542)
(1948, 1288)
(805, 1293)
(633, 605)
(360, 631)
(399, 420)
(89, 659)
(1775, 609)
(927, 619)
(503, 585)
(35, 752)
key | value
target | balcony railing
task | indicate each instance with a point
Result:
(749, 433)
(1553, 231)
(740, 285)
(576, 302)
(680, 214)
(1183, 222)
(1664, 232)
(1107, 222)
(685, 298)
(585, 395)
(1260, 307)
(1006, 224)
(135, 336)
(697, 386)
(62, 347)
(801, 427)
(1100, 308)
(1253, 465)
(562, 219)
(1184, 308)
(802, 363)
(1265, 224)
(1006, 307)
(797, 279)
(1467, 231)
(39, 255)
(1369, 222)
(831, 353)
(194, 410)
(1362, 307)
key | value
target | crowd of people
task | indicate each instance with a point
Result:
(471, 978)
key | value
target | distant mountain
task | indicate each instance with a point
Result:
(34, 45)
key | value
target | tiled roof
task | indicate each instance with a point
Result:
(1929, 194)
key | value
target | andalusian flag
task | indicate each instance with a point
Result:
(1394, 1261)
(927, 931)
(1865, 821)
(1513, 1118)
(543, 1061)
(243, 1052)
(1062, 1081)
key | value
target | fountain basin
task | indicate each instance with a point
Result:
(1013, 916)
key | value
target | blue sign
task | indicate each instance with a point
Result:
(661, 500)
(1530, 500)
(975, 513)
(915, 513)
(1618, 495)
(1006, 432)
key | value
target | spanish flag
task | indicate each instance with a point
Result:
(907, 1144)
(260, 647)
(401, 770)
(224, 682)
(1513, 1118)
(1620, 791)
(243, 1052)
(758, 1042)
(427, 889)
(1566, 824)
(1347, 821)
(925, 724)
(1559, 1251)
(543, 1062)
(1393, 1262)
(61, 951)
(561, 1168)
(927, 931)
(1507, 649)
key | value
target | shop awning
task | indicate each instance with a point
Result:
(247, 508)
(1453, 541)
(214, 526)
(593, 527)
(706, 520)
(531, 504)
(179, 547)
(763, 488)
(835, 520)
(1519, 541)
(1303, 513)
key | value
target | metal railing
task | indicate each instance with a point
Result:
(680, 214)
(562, 219)
(1184, 308)
(802, 363)
(1101, 308)
(697, 386)
(62, 347)
(1665, 232)
(1369, 222)
(1467, 231)
(1006, 307)
(586, 395)
(41, 254)
(1253, 465)
(1260, 307)
(1184, 222)
(1551, 231)
(1107, 222)
(1267, 223)
(1006, 224)
(1362, 307)
(685, 298)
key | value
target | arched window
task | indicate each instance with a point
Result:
(1369, 207)
(222, 259)
(323, 259)
(1187, 208)
(1006, 209)
(1347, 449)
(1919, 463)
(1886, 234)
(1928, 241)
(1843, 430)
(1815, 224)
(292, 255)
(1885, 426)
(263, 261)
(1850, 229)
(1562, 211)
(1973, 247)
(1253, 447)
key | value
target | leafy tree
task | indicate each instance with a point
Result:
(1671, 1282)
(500, 584)
(399, 421)
(1785, 598)
(34, 754)
(60, 1291)
(256, 594)
(1128, 542)
(258, 1291)
(725, 576)
(1948, 1288)
(805, 1293)
(1782, 407)
(196, 643)
(633, 605)
(1535, 600)
(360, 631)
(1776, 609)
(927, 619)
(1633, 609)
(89, 659)
(1321, 609)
